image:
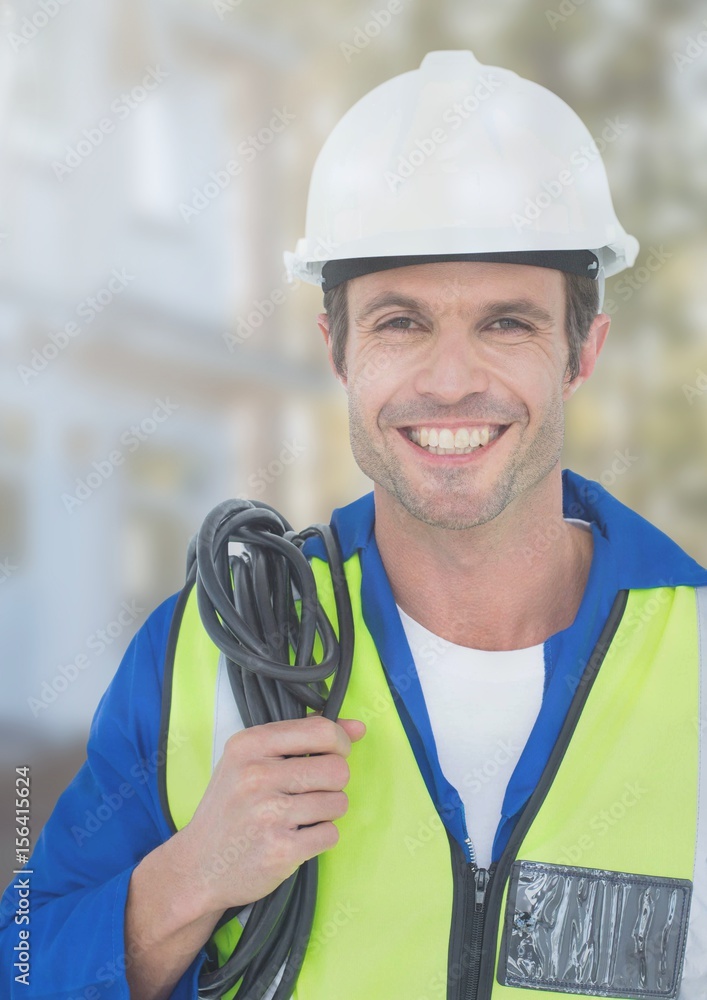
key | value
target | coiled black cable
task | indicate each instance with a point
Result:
(247, 603)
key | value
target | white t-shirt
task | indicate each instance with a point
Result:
(482, 706)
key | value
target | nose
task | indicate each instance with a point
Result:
(453, 366)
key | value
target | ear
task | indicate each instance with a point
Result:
(323, 324)
(589, 353)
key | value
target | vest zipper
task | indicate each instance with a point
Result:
(469, 919)
(477, 885)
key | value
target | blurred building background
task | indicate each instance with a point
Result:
(153, 357)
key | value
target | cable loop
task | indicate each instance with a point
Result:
(248, 603)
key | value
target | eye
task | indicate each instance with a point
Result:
(394, 322)
(514, 324)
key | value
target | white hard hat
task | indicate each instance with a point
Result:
(459, 160)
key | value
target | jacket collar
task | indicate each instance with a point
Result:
(643, 555)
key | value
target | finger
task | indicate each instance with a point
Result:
(313, 840)
(314, 807)
(320, 773)
(354, 728)
(313, 735)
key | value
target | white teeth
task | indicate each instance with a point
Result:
(445, 441)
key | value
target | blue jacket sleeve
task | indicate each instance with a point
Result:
(104, 823)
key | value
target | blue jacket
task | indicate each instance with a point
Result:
(109, 817)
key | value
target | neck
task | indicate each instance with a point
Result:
(506, 584)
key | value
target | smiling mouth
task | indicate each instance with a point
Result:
(453, 441)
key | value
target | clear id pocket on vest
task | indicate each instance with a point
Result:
(594, 933)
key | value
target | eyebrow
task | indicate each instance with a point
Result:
(386, 299)
(525, 307)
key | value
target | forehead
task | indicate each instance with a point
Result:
(471, 284)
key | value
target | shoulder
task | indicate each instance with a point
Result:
(132, 701)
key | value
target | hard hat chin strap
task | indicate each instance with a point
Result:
(601, 278)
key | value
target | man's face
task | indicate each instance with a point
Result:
(472, 352)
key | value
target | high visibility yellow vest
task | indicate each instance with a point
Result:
(602, 888)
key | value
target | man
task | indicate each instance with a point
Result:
(521, 739)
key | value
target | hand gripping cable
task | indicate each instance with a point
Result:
(250, 572)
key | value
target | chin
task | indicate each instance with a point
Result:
(454, 513)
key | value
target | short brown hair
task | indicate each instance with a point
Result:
(582, 304)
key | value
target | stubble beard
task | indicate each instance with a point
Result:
(448, 497)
